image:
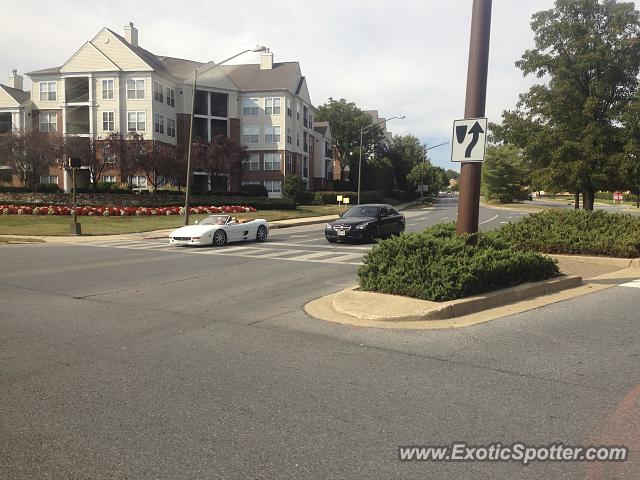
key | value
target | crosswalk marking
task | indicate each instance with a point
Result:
(269, 251)
(633, 284)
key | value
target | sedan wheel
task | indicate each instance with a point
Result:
(261, 236)
(219, 238)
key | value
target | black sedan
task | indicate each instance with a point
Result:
(365, 223)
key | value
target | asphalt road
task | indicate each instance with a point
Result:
(147, 362)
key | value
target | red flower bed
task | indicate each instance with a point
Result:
(117, 211)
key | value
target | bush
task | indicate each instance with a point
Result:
(438, 265)
(46, 188)
(576, 232)
(293, 187)
(255, 190)
(368, 196)
(5, 189)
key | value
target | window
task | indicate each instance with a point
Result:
(250, 134)
(251, 163)
(138, 181)
(297, 111)
(289, 135)
(158, 123)
(136, 121)
(49, 179)
(305, 167)
(305, 111)
(158, 91)
(272, 186)
(135, 88)
(272, 106)
(107, 89)
(218, 127)
(290, 162)
(48, 122)
(47, 91)
(305, 142)
(250, 182)
(272, 161)
(171, 96)
(108, 121)
(298, 138)
(109, 178)
(289, 111)
(171, 127)
(272, 134)
(250, 106)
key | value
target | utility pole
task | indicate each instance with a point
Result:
(475, 103)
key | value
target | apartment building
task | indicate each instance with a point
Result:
(112, 84)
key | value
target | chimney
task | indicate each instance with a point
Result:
(15, 80)
(131, 34)
(266, 61)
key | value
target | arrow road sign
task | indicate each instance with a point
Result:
(469, 140)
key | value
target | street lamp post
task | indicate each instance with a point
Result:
(425, 160)
(187, 193)
(362, 130)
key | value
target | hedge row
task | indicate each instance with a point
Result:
(575, 232)
(368, 196)
(438, 265)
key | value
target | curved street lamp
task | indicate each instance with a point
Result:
(187, 193)
(362, 130)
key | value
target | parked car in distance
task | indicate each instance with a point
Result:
(218, 230)
(365, 223)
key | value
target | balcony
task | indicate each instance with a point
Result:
(77, 119)
(76, 90)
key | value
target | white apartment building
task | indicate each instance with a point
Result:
(112, 84)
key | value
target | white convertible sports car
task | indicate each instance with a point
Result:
(217, 230)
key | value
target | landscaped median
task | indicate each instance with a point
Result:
(433, 278)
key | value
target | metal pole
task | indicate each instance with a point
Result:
(476, 96)
(75, 203)
(360, 165)
(187, 192)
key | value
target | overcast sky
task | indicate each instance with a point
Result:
(400, 57)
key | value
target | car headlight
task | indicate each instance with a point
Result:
(329, 226)
(362, 227)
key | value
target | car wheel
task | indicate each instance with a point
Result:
(262, 233)
(219, 238)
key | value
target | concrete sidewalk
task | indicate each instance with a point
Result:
(582, 275)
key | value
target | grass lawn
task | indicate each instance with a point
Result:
(41, 225)
(511, 206)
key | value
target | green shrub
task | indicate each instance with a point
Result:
(255, 190)
(575, 232)
(437, 265)
(368, 196)
(294, 188)
(46, 188)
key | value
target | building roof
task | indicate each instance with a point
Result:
(178, 67)
(321, 127)
(18, 95)
(44, 71)
(285, 75)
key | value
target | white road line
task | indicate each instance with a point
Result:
(277, 253)
(316, 255)
(342, 258)
(307, 241)
(328, 245)
(411, 224)
(634, 284)
(490, 220)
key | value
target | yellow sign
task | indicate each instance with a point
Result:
(339, 198)
(345, 199)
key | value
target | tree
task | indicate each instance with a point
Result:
(630, 162)
(405, 152)
(294, 188)
(424, 173)
(135, 155)
(224, 157)
(503, 174)
(569, 127)
(29, 154)
(155, 163)
(346, 121)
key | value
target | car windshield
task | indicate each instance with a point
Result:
(361, 211)
(215, 220)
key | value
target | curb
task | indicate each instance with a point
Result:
(618, 262)
(346, 301)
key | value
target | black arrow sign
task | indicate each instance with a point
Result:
(476, 130)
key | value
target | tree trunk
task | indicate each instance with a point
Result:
(588, 198)
(638, 197)
(576, 200)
